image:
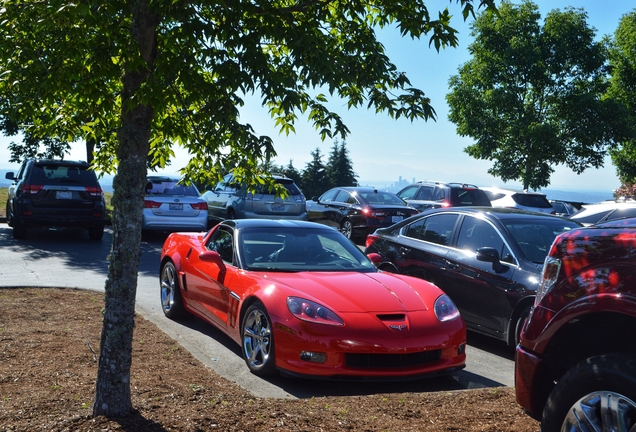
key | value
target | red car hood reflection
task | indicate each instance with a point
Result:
(358, 292)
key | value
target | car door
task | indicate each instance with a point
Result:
(423, 246)
(319, 210)
(219, 197)
(478, 290)
(208, 285)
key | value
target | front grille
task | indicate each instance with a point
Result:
(389, 361)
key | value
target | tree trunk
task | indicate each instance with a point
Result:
(112, 393)
(90, 148)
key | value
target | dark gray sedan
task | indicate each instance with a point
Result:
(488, 260)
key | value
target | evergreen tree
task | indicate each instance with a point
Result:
(291, 172)
(314, 177)
(339, 167)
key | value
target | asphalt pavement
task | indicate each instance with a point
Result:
(68, 259)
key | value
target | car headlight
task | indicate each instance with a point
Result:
(445, 309)
(310, 311)
(551, 269)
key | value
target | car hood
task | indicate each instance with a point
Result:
(361, 292)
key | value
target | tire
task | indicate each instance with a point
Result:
(171, 300)
(19, 229)
(96, 232)
(9, 216)
(257, 340)
(519, 325)
(596, 394)
(231, 214)
(346, 228)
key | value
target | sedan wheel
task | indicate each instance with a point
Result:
(171, 302)
(346, 228)
(598, 394)
(258, 340)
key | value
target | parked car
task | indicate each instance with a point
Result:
(605, 211)
(172, 206)
(55, 193)
(231, 200)
(575, 367)
(358, 211)
(432, 194)
(565, 208)
(523, 200)
(300, 298)
(488, 260)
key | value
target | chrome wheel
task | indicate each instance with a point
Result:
(346, 228)
(601, 411)
(258, 340)
(171, 303)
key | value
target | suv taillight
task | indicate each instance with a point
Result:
(551, 269)
(31, 189)
(94, 190)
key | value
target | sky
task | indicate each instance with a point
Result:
(384, 150)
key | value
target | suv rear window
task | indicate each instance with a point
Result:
(539, 201)
(56, 174)
(469, 197)
(289, 185)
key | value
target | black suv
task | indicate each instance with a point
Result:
(432, 194)
(52, 193)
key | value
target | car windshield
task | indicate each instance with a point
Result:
(55, 174)
(299, 249)
(535, 237)
(469, 197)
(382, 198)
(532, 200)
(169, 188)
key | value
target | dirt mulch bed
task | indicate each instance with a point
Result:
(49, 345)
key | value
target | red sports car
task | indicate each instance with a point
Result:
(302, 299)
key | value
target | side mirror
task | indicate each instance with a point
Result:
(10, 175)
(375, 258)
(315, 199)
(489, 254)
(214, 258)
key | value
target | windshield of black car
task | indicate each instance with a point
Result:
(382, 198)
(535, 236)
(300, 249)
(54, 174)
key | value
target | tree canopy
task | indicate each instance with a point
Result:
(623, 87)
(534, 96)
(138, 77)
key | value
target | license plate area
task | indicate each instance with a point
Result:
(395, 219)
(176, 206)
(63, 195)
(278, 207)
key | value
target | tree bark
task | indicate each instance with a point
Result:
(112, 393)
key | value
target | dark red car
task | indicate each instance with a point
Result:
(575, 366)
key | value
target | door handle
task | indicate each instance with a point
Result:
(451, 265)
(404, 250)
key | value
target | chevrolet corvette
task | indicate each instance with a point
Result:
(302, 299)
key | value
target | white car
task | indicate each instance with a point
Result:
(523, 200)
(172, 206)
(605, 211)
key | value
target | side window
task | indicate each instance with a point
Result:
(328, 196)
(438, 194)
(425, 193)
(476, 233)
(408, 192)
(222, 242)
(622, 213)
(343, 197)
(414, 230)
(439, 228)
(22, 171)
